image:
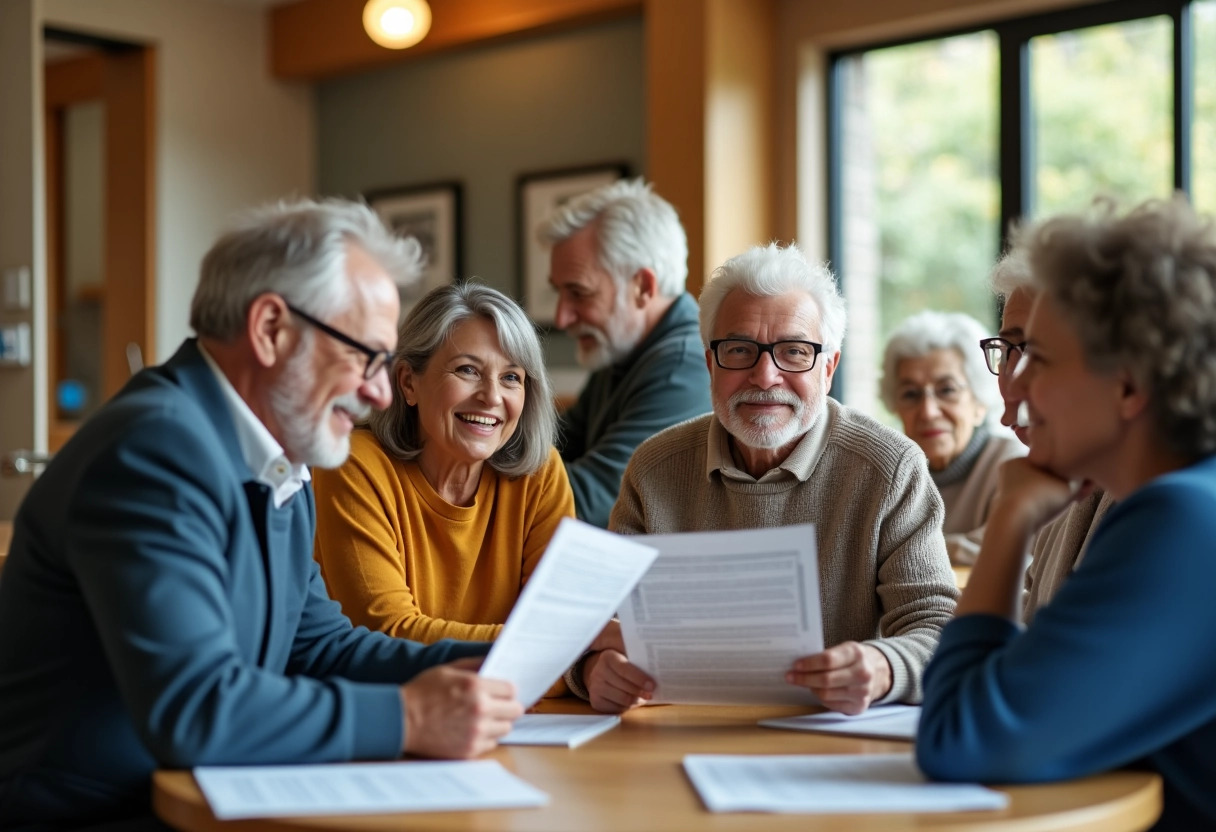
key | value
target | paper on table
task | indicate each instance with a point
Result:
(721, 616)
(363, 788)
(834, 783)
(582, 578)
(569, 730)
(891, 722)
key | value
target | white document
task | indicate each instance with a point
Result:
(363, 788)
(582, 578)
(569, 730)
(721, 616)
(829, 784)
(888, 722)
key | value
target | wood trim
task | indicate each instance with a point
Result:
(311, 40)
(73, 81)
(129, 312)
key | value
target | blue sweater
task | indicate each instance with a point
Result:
(1119, 669)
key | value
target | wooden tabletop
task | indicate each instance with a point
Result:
(6, 537)
(631, 779)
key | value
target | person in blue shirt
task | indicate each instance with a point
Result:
(1119, 378)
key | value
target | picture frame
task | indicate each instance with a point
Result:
(432, 214)
(538, 194)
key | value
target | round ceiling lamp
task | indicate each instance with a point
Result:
(396, 24)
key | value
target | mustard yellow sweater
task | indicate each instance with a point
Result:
(401, 559)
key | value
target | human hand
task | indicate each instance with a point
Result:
(613, 684)
(452, 712)
(845, 678)
(1028, 496)
(610, 638)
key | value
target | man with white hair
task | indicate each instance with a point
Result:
(777, 451)
(618, 265)
(160, 604)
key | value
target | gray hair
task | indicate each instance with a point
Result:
(426, 327)
(771, 270)
(297, 250)
(1140, 290)
(925, 332)
(636, 229)
(1011, 272)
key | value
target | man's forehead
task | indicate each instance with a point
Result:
(790, 315)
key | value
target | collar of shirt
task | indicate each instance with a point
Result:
(261, 452)
(798, 464)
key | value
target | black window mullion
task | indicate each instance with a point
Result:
(1184, 95)
(1016, 147)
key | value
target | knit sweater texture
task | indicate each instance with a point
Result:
(401, 559)
(1058, 549)
(969, 500)
(884, 577)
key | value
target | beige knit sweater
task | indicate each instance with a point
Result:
(1058, 548)
(883, 572)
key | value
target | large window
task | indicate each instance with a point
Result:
(939, 145)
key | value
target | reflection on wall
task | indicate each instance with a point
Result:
(484, 116)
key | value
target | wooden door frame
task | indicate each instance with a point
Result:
(122, 77)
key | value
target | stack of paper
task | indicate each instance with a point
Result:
(363, 788)
(829, 784)
(569, 730)
(887, 722)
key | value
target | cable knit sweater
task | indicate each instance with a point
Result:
(884, 575)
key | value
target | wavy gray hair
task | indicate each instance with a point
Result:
(426, 327)
(1011, 272)
(1140, 290)
(771, 270)
(297, 250)
(637, 229)
(925, 332)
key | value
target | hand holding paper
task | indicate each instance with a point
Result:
(452, 712)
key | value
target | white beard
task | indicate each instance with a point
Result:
(305, 439)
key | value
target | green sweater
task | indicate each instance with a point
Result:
(662, 382)
(884, 577)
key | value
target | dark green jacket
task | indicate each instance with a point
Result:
(662, 382)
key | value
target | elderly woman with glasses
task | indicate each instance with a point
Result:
(936, 381)
(451, 494)
(1119, 381)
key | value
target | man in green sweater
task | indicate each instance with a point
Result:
(777, 451)
(619, 262)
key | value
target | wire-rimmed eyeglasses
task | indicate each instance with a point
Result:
(375, 358)
(743, 353)
(1001, 355)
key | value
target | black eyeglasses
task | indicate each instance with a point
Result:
(1001, 355)
(743, 353)
(375, 358)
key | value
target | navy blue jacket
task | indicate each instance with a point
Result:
(157, 610)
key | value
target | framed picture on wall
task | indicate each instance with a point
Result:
(537, 196)
(431, 214)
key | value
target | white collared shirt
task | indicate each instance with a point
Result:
(261, 452)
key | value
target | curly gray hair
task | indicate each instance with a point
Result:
(925, 332)
(1140, 289)
(426, 327)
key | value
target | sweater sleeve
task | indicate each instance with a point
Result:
(360, 545)
(915, 582)
(669, 386)
(1114, 668)
(553, 501)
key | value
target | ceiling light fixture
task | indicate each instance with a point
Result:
(396, 24)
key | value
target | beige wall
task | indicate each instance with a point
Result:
(228, 136)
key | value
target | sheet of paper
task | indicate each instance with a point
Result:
(889, 722)
(829, 783)
(721, 616)
(582, 578)
(569, 730)
(363, 788)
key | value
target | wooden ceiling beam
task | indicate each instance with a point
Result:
(311, 40)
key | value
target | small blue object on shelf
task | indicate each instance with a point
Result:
(71, 396)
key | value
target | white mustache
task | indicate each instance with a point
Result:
(359, 410)
(765, 397)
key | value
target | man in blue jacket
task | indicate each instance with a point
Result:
(618, 265)
(160, 605)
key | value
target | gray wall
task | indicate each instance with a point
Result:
(484, 116)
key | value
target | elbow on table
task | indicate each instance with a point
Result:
(943, 754)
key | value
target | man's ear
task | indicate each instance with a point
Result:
(267, 329)
(645, 287)
(829, 368)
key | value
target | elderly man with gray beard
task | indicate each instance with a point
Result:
(777, 451)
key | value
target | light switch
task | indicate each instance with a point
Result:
(17, 288)
(15, 345)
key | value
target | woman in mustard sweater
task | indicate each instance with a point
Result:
(449, 497)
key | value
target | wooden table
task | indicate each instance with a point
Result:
(6, 537)
(631, 779)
